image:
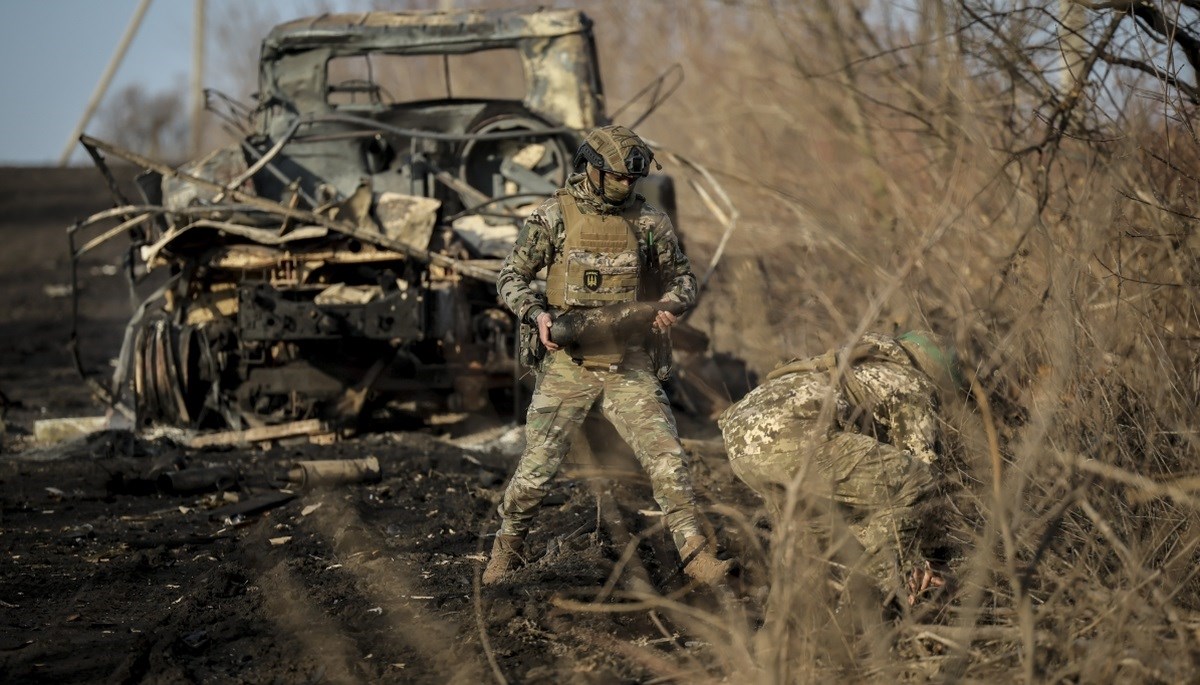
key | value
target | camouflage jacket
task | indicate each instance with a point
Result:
(540, 243)
(885, 396)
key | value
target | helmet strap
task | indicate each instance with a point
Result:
(602, 193)
(597, 186)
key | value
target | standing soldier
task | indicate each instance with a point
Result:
(601, 244)
(867, 444)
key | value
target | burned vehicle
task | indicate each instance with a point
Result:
(343, 253)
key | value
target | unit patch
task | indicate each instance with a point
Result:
(591, 279)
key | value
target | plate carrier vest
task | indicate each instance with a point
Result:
(600, 265)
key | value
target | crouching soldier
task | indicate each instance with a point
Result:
(865, 446)
(602, 244)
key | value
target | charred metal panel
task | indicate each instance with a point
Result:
(264, 313)
(563, 84)
(556, 48)
(422, 31)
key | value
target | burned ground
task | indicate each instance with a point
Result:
(107, 578)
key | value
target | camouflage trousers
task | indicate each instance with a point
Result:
(634, 402)
(856, 493)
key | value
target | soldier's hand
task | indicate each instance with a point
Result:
(922, 578)
(543, 322)
(664, 320)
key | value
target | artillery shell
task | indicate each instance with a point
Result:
(309, 474)
(612, 321)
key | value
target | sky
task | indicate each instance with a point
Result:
(55, 51)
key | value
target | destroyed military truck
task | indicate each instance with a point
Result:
(345, 249)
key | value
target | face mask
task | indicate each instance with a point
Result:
(614, 190)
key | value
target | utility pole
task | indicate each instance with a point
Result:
(105, 80)
(197, 128)
(1072, 22)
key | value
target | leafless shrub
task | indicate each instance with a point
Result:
(151, 123)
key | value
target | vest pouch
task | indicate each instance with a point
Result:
(658, 346)
(530, 351)
(596, 279)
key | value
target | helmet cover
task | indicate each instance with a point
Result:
(931, 356)
(616, 149)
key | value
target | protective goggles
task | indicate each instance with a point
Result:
(637, 161)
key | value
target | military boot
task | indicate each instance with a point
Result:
(507, 554)
(701, 563)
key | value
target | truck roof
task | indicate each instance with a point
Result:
(423, 31)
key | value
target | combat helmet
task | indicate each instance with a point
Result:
(932, 357)
(616, 149)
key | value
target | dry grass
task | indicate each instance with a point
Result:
(942, 181)
(895, 194)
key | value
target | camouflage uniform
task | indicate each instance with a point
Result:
(630, 394)
(867, 445)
